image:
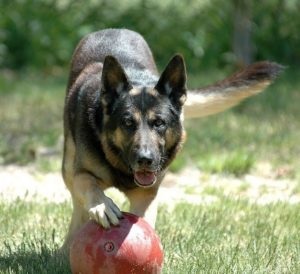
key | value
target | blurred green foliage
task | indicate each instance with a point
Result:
(43, 33)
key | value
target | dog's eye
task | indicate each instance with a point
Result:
(128, 122)
(159, 122)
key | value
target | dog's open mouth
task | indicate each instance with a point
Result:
(144, 178)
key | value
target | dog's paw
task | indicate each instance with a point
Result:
(105, 213)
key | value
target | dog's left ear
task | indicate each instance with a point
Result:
(172, 81)
(114, 80)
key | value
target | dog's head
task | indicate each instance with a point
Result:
(143, 129)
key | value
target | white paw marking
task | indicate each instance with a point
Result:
(105, 213)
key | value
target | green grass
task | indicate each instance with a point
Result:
(229, 236)
(31, 110)
(30, 235)
(237, 163)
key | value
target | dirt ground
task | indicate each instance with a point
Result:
(190, 185)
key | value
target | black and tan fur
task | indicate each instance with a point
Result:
(123, 122)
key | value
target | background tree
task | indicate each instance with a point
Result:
(242, 33)
(42, 34)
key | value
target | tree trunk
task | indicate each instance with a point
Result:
(242, 43)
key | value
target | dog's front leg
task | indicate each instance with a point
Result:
(88, 192)
(89, 201)
(143, 203)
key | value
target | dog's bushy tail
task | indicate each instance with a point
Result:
(232, 90)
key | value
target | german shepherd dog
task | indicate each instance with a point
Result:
(123, 122)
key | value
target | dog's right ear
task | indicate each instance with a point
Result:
(114, 80)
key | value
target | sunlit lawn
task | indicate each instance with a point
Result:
(228, 236)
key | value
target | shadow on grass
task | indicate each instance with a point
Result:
(44, 261)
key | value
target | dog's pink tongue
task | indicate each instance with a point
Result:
(144, 178)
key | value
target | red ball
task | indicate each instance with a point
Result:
(131, 247)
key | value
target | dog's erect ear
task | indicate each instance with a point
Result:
(114, 80)
(172, 81)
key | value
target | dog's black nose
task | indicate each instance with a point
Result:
(145, 158)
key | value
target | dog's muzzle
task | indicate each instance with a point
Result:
(144, 170)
